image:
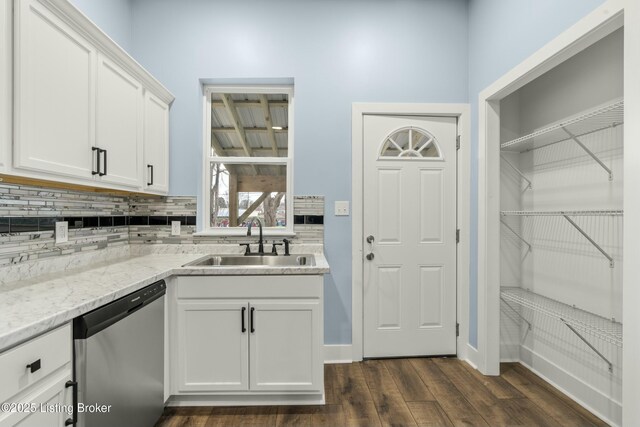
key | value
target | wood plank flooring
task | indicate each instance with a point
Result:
(420, 392)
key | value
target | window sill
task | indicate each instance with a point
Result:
(266, 233)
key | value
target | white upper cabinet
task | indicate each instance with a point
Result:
(5, 85)
(83, 110)
(118, 125)
(156, 144)
(54, 94)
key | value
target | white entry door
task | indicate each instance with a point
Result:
(410, 235)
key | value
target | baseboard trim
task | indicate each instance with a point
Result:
(338, 353)
(509, 352)
(470, 355)
(588, 397)
(246, 400)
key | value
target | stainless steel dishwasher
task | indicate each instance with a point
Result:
(119, 361)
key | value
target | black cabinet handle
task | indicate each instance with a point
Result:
(244, 329)
(72, 421)
(97, 171)
(252, 325)
(150, 167)
(34, 366)
(105, 161)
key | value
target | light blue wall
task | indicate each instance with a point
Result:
(502, 33)
(338, 52)
(113, 16)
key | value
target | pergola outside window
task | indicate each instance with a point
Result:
(248, 158)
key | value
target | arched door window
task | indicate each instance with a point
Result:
(410, 142)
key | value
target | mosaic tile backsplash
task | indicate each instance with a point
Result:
(98, 221)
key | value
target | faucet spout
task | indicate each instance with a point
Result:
(260, 240)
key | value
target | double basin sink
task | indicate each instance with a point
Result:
(253, 260)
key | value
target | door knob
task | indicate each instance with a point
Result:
(370, 239)
(369, 256)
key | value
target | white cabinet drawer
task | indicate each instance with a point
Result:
(48, 404)
(52, 349)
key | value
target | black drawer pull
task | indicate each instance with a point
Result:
(252, 328)
(34, 366)
(72, 421)
(150, 181)
(244, 328)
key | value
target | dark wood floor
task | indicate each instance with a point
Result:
(409, 392)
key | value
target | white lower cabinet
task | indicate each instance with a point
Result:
(49, 404)
(247, 336)
(213, 351)
(36, 387)
(284, 346)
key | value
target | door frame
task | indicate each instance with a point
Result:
(462, 113)
(598, 24)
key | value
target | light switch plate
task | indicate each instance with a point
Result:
(62, 232)
(175, 228)
(342, 208)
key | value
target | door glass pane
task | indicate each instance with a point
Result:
(249, 125)
(410, 142)
(240, 192)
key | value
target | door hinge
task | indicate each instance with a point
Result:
(458, 142)
(457, 329)
(458, 235)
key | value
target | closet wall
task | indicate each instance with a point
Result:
(546, 255)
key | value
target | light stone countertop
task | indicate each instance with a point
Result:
(31, 307)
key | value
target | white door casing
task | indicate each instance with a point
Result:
(409, 203)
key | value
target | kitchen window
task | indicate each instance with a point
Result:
(248, 159)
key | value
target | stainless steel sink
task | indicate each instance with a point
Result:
(253, 260)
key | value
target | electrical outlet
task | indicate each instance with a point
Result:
(62, 232)
(342, 208)
(175, 228)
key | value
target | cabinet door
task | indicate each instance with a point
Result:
(119, 124)
(54, 94)
(212, 347)
(156, 144)
(51, 402)
(285, 344)
(5, 84)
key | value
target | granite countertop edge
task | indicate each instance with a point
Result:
(33, 307)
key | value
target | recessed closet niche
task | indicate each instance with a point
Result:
(561, 149)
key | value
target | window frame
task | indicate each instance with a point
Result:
(208, 158)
